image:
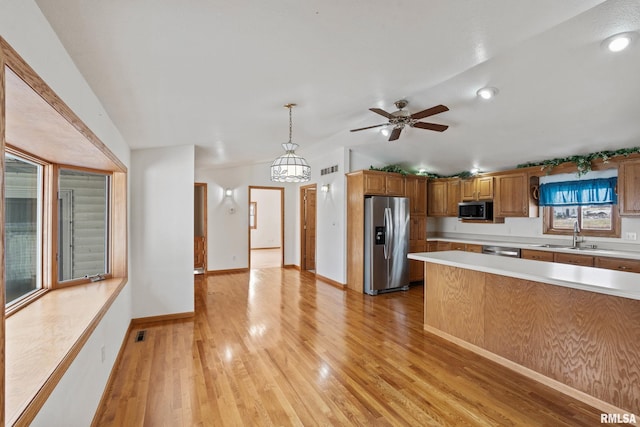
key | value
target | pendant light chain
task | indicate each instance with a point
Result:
(290, 167)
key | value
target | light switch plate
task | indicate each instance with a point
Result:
(630, 236)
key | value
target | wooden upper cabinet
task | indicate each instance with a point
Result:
(453, 197)
(383, 183)
(511, 196)
(437, 198)
(629, 187)
(480, 188)
(443, 196)
(416, 190)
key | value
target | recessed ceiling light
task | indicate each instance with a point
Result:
(487, 92)
(619, 42)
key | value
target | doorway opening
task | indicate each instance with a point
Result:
(266, 227)
(200, 228)
(308, 200)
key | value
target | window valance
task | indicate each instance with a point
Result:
(584, 192)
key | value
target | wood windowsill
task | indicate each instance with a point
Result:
(43, 339)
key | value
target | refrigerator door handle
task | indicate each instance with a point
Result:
(388, 228)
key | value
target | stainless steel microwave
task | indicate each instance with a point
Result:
(475, 210)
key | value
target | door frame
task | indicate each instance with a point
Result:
(259, 187)
(204, 216)
(303, 246)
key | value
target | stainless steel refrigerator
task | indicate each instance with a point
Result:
(386, 244)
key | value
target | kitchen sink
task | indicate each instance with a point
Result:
(547, 245)
(583, 248)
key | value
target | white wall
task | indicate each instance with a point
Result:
(162, 181)
(75, 400)
(267, 232)
(228, 217)
(331, 228)
(22, 25)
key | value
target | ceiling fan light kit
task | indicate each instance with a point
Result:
(401, 118)
(290, 167)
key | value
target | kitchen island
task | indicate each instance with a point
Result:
(576, 329)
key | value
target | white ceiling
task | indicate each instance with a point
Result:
(216, 74)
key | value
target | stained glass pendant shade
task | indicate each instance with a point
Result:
(290, 167)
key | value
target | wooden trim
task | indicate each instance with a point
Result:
(137, 322)
(18, 305)
(549, 382)
(205, 219)
(14, 61)
(2, 240)
(331, 282)
(112, 376)
(547, 221)
(303, 217)
(229, 271)
(265, 249)
(29, 412)
(292, 266)
(118, 232)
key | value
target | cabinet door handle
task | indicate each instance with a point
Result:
(623, 267)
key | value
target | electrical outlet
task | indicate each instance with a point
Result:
(630, 235)
(103, 353)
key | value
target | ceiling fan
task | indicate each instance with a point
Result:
(401, 118)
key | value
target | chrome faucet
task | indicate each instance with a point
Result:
(576, 230)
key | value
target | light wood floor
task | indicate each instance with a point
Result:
(266, 258)
(277, 347)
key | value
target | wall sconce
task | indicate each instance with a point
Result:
(228, 192)
(325, 188)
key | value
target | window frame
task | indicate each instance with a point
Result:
(49, 229)
(615, 223)
(56, 283)
(253, 215)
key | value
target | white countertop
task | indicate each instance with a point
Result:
(609, 282)
(537, 247)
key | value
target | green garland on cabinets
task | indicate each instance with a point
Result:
(583, 163)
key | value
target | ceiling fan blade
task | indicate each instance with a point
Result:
(429, 112)
(382, 113)
(395, 134)
(369, 127)
(430, 126)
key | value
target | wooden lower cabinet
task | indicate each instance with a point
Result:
(474, 248)
(621, 264)
(416, 268)
(583, 260)
(536, 255)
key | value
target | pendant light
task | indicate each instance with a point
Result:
(290, 167)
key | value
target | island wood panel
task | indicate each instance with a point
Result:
(585, 340)
(454, 302)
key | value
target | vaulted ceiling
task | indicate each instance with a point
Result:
(216, 74)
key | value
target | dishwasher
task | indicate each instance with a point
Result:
(501, 251)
